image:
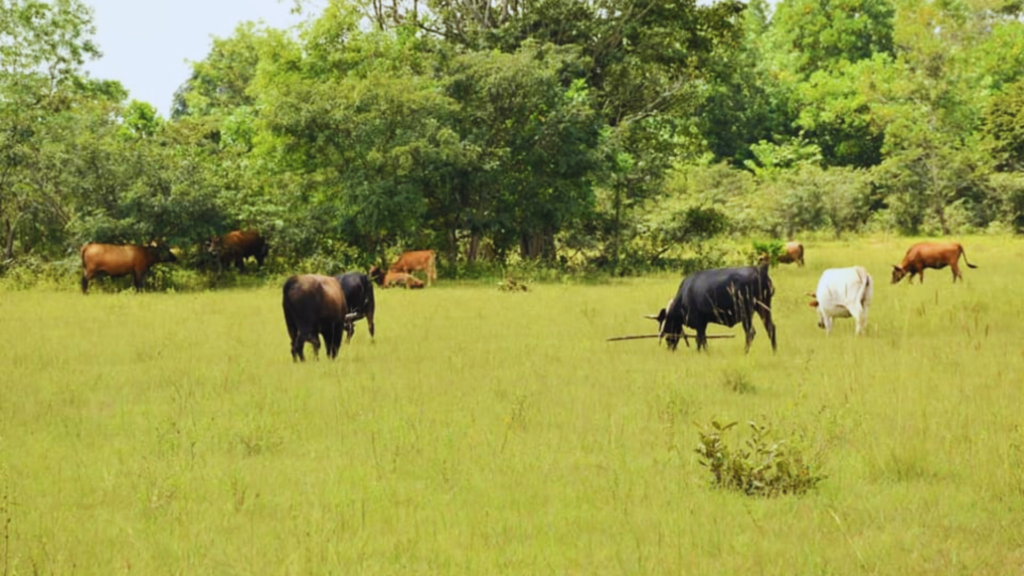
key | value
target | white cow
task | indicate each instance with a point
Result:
(841, 293)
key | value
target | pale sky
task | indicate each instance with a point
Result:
(148, 49)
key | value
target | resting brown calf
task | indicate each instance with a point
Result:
(120, 260)
(936, 255)
(405, 279)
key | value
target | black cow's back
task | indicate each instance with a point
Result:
(725, 296)
(359, 294)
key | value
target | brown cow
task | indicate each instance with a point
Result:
(417, 261)
(792, 252)
(936, 255)
(314, 305)
(120, 260)
(238, 245)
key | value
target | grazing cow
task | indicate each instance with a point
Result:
(359, 297)
(314, 305)
(238, 245)
(725, 296)
(120, 260)
(936, 255)
(417, 261)
(842, 293)
(792, 252)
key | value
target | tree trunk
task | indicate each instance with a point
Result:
(473, 251)
(8, 239)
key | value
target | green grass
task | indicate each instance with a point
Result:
(487, 432)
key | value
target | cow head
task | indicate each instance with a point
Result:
(377, 275)
(670, 326)
(814, 299)
(161, 252)
(898, 273)
(212, 245)
(814, 304)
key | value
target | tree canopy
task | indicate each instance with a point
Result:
(614, 134)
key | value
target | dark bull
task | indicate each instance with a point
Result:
(725, 296)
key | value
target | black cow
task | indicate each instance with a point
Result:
(726, 296)
(314, 305)
(359, 295)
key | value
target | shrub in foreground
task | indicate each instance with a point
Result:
(763, 467)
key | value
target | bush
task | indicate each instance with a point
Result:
(764, 468)
(771, 248)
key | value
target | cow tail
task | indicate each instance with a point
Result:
(964, 254)
(865, 285)
(288, 285)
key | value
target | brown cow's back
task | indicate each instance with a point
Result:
(930, 254)
(792, 252)
(237, 245)
(314, 305)
(120, 260)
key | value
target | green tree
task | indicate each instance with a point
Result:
(823, 34)
(42, 48)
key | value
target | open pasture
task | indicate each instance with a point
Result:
(492, 433)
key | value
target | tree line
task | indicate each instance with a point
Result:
(620, 135)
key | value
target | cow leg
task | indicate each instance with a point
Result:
(331, 332)
(306, 332)
(85, 283)
(138, 278)
(294, 341)
(240, 263)
(860, 316)
(769, 326)
(702, 336)
(337, 330)
(298, 343)
(748, 331)
(956, 272)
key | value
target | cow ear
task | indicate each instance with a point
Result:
(813, 303)
(895, 267)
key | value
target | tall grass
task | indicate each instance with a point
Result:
(488, 432)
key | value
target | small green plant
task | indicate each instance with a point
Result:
(764, 467)
(738, 381)
(769, 250)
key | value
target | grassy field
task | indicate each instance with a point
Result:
(492, 433)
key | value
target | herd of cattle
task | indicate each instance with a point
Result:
(730, 296)
(328, 306)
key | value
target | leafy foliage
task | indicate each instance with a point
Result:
(616, 135)
(763, 467)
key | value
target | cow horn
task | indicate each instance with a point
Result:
(351, 316)
(811, 294)
(651, 316)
